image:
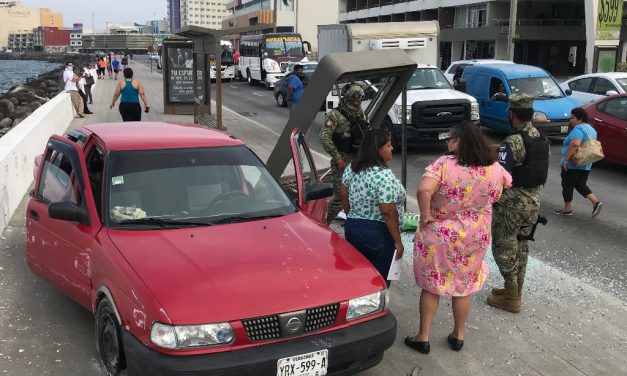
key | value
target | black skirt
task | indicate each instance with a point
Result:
(130, 111)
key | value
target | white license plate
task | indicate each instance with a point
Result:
(310, 364)
(564, 128)
(443, 136)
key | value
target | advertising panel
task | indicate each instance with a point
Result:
(608, 19)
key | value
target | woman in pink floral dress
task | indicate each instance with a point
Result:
(455, 197)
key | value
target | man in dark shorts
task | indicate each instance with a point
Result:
(115, 64)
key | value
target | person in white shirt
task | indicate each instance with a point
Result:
(71, 86)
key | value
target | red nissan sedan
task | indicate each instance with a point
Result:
(194, 259)
(608, 116)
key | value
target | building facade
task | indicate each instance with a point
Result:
(291, 16)
(52, 39)
(50, 18)
(76, 37)
(16, 18)
(546, 34)
(203, 13)
(21, 41)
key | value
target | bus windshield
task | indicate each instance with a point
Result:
(284, 45)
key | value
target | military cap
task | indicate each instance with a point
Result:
(520, 101)
(354, 92)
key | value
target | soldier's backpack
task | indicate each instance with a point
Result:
(535, 169)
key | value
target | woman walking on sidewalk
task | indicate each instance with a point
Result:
(130, 90)
(573, 176)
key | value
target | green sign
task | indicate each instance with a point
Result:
(609, 19)
(606, 61)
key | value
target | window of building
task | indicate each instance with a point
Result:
(471, 16)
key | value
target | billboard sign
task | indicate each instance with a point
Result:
(609, 15)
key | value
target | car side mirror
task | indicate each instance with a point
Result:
(568, 92)
(318, 190)
(611, 92)
(265, 54)
(68, 211)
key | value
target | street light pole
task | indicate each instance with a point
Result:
(275, 15)
(512, 29)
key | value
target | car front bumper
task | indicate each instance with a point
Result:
(351, 350)
(554, 128)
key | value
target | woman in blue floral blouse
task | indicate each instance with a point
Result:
(374, 201)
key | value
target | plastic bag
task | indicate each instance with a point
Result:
(410, 221)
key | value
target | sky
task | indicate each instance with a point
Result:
(116, 11)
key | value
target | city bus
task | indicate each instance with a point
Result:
(226, 62)
(264, 58)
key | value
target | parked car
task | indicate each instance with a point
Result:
(590, 87)
(552, 105)
(608, 116)
(195, 260)
(450, 71)
(280, 87)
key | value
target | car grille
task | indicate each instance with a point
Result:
(439, 114)
(269, 327)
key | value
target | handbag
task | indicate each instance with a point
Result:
(89, 80)
(589, 152)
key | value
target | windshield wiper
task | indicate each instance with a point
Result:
(548, 96)
(164, 222)
(244, 218)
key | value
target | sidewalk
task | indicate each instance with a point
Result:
(566, 326)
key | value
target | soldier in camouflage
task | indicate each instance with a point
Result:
(517, 211)
(335, 138)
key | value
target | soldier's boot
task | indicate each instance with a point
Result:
(498, 291)
(509, 300)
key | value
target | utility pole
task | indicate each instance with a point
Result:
(513, 10)
(275, 14)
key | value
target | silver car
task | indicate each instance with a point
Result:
(590, 87)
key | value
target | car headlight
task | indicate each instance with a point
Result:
(539, 117)
(186, 336)
(366, 305)
(398, 110)
(474, 111)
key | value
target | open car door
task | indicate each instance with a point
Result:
(312, 192)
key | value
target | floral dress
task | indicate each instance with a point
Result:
(448, 257)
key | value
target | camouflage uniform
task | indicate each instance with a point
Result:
(515, 213)
(336, 122)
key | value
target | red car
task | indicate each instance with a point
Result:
(195, 260)
(608, 116)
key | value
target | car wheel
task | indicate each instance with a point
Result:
(250, 80)
(280, 100)
(109, 339)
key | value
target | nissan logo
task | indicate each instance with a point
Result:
(445, 114)
(293, 325)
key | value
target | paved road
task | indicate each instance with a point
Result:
(574, 319)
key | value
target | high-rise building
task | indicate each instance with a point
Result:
(14, 17)
(203, 13)
(50, 18)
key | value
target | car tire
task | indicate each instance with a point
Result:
(280, 100)
(109, 339)
(250, 80)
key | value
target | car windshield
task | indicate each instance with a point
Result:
(430, 78)
(537, 87)
(623, 83)
(309, 68)
(279, 46)
(191, 187)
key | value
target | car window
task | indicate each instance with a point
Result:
(537, 87)
(582, 85)
(452, 69)
(616, 108)
(497, 89)
(602, 86)
(623, 83)
(201, 183)
(57, 182)
(427, 79)
(95, 170)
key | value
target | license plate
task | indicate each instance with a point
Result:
(310, 364)
(564, 128)
(443, 136)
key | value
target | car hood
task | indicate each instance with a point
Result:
(433, 95)
(556, 108)
(236, 271)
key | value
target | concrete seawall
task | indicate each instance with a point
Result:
(22, 144)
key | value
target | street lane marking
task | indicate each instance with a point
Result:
(257, 94)
(234, 87)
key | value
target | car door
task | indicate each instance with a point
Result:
(602, 86)
(611, 125)
(311, 199)
(582, 89)
(60, 250)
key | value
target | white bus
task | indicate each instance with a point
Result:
(226, 62)
(264, 58)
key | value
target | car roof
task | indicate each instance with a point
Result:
(511, 71)
(158, 135)
(606, 74)
(482, 61)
